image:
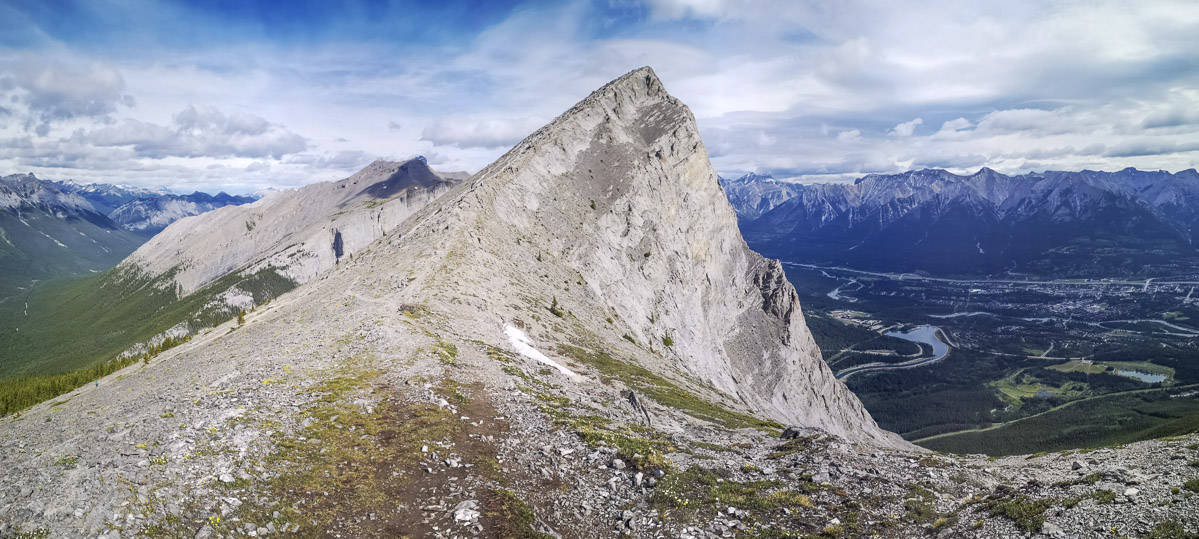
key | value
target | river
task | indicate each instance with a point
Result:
(924, 334)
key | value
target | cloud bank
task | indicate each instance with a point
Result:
(796, 88)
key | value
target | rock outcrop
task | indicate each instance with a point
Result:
(292, 232)
(618, 192)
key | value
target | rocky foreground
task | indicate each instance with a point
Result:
(359, 434)
(573, 343)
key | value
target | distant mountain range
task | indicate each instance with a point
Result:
(147, 211)
(149, 215)
(1085, 224)
(58, 228)
(753, 194)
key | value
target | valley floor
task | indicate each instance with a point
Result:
(1031, 365)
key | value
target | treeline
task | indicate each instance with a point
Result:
(17, 394)
(1116, 419)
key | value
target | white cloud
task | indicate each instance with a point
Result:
(677, 9)
(851, 135)
(197, 132)
(47, 90)
(955, 125)
(799, 87)
(467, 133)
(905, 129)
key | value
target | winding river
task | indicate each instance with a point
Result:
(924, 334)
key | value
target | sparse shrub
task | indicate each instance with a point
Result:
(1170, 530)
(1192, 485)
(554, 310)
(667, 340)
(1027, 513)
(446, 352)
(241, 317)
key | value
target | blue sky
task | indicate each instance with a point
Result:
(244, 96)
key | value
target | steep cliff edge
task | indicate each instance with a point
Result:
(618, 197)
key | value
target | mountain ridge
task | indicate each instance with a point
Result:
(1074, 223)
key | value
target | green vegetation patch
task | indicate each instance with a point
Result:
(76, 329)
(699, 490)
(1027, 513)
(1089, 479)
(1076, 365)
(797, 445)
(665, 392)
(446, 352)
(641, 448)
(348, 458)
(510, 516)
(1170, 530)
(1088, 423)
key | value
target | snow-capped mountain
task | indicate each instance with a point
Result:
(150, 214)
(106, 197)
(752, 194)
(1085, 223)
(146, 210)
(47, 232)
(53, 229)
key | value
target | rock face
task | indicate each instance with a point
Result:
(620, 191)
(1084, 223)
(298, 233)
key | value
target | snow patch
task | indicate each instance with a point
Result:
(524, 346)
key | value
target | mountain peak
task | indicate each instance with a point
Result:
(642, 77)
(618, 197)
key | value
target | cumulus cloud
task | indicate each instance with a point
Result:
(905, 129)
(344, 160)
(197, 132)
(466, 133)
(49, 90)
(955, 125)
(790, 87)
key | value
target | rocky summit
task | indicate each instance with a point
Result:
(574, 342)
